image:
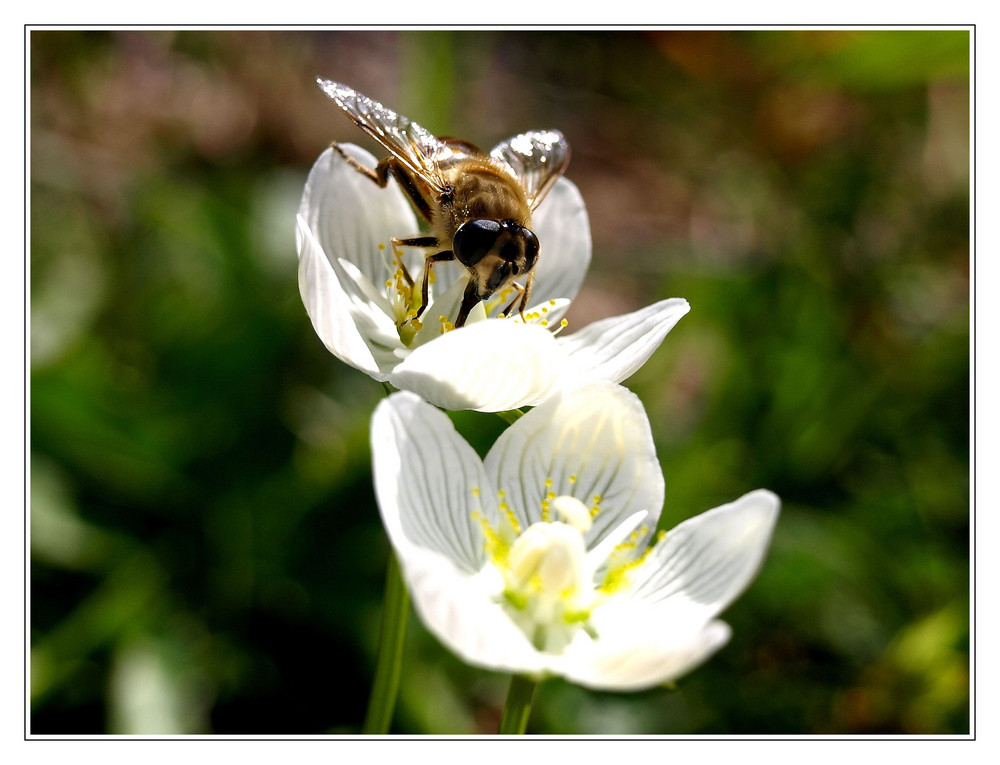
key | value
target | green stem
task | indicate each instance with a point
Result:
(395, 610)
(514, 720)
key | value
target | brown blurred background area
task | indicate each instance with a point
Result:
(206, 553)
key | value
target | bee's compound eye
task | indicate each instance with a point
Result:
(530, 248)
(474, 240)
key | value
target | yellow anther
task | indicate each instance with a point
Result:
(597, 505)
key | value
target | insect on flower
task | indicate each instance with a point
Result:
(478, 205)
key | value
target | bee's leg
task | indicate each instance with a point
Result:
(413, 241)
(522, 298)
(380, 177)
(519, 296)
(528, 284)
(468, 302)
(438, 257)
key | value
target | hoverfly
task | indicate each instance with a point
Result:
(478, 205)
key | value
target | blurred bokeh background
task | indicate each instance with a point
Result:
(206, 552)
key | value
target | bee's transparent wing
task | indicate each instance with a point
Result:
(414, 146)
(537, 158)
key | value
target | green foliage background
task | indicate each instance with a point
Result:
(206, 552)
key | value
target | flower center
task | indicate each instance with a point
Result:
(402, 291)
(403, 297)
(548, 581)
(551, 582)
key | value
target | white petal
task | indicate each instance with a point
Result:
(463, 612)
(340, 318)
(428, 481)
(352, 218)
(598, 554)
(707, 561)
(563, 232)
(488, 366)
(590, 440)
(632, 656)
(613, 349)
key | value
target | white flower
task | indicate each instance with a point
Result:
(361, 304)
(536, 559)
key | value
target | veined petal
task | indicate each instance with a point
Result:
(598, 554)
(613, 349)
(632, 656)
(592, 442)
(339, 318)
(707, 561)
(465, 614)
(352, 218)
(489, 366)
(429, 482)
(563, 231)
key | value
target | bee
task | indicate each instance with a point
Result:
(478, 206)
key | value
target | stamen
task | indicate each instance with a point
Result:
(597, 506)
(620, 564)
(562, 325)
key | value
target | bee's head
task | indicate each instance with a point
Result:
(495, 252)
